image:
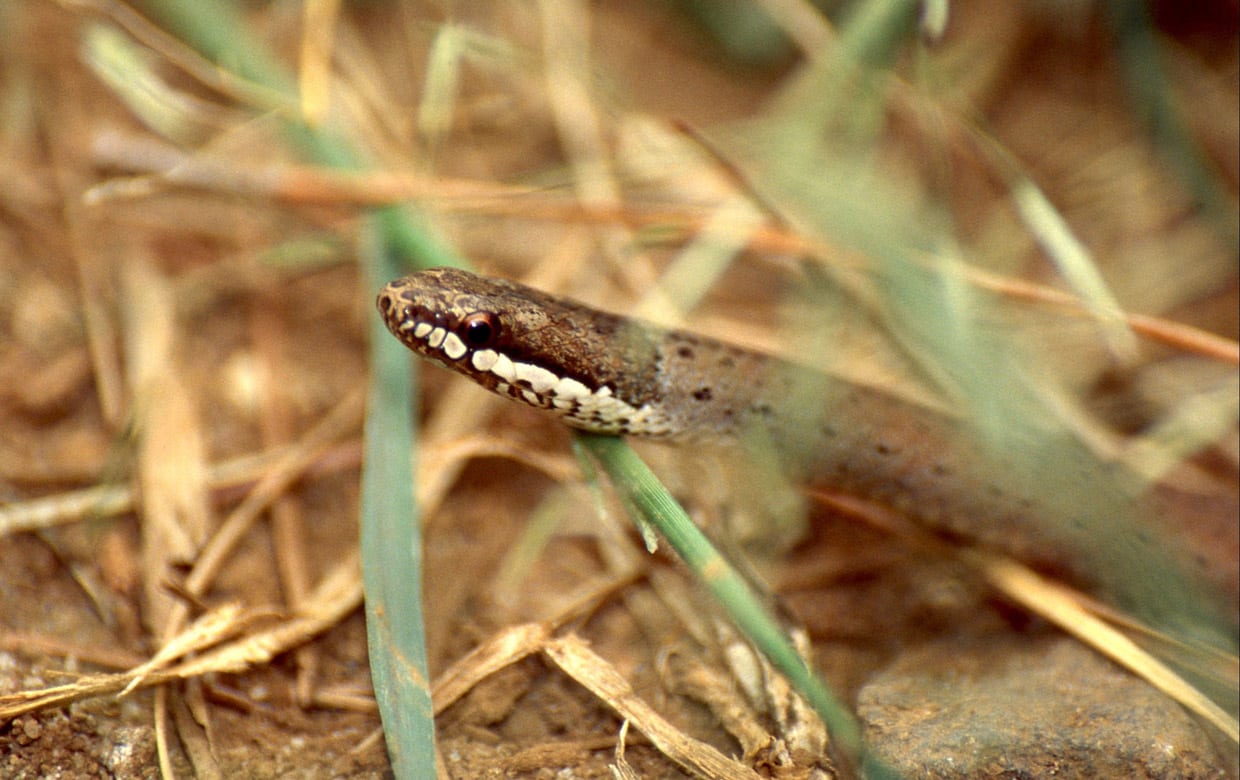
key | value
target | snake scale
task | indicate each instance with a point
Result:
(610, 374)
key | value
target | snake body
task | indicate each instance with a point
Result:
(609, 374)
(1048, 503)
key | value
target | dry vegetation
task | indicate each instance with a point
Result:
(185, 350)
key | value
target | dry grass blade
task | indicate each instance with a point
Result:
(316, 55)
(501, 650)
(338, 594)
(572, 655)
(1174, 334)
(158, 162)
(20, 642)
(1076, 265)
(305, 185)
(49, 511)
(335, 596)
(206, 631)
(171, 454)
(1196, 423)
(621, 769)
(131, 72)
(111, 500)
(339, 422)
(201, 69)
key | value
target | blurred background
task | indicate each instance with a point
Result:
(1029, 207)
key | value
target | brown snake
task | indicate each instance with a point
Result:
(610, 374)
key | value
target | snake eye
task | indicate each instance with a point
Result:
(479, 329)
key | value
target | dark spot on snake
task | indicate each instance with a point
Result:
(763, 409)
(685, 352)
(702, 394)
(882, 448)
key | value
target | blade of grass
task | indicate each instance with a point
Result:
(653, 504)
(392, 552)
(1075, 263)
(391, 556)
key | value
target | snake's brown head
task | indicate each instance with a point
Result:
(586, 365)
(447, 315)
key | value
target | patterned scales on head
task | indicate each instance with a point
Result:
(531, 347)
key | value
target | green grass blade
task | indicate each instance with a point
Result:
(645, 494)
(392, 554)
(391, 543)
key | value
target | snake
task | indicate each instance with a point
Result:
(607, 373)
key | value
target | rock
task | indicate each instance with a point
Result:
(1036, 708)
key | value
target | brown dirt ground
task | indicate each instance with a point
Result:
(262, 349)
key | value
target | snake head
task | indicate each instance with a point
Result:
(592, 368)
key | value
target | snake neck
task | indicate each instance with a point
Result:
(598, 371)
